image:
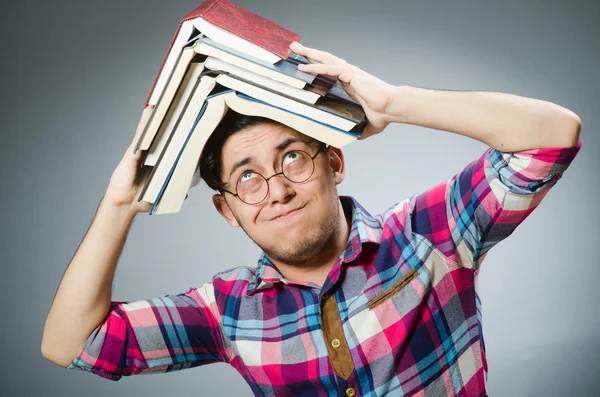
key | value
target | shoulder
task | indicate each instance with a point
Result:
(227, 284)
(238, 273)
(402, 215)
(234, 281)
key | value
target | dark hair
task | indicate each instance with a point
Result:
(211, 164)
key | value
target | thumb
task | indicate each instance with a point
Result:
(367, 132)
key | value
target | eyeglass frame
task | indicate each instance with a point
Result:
(321, 148)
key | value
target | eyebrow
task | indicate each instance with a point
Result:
(282, 146)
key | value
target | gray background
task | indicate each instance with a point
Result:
(74, 78)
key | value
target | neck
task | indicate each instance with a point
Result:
(317, 269)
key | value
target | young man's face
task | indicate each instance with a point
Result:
(315, 221)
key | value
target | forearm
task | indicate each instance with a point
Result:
(84, 294)
(505, 122)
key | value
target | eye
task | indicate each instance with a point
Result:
(247, 175)
(290, 157)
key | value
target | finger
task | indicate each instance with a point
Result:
(315, 55)
(138, 158)
(343, 72)
(141, 124)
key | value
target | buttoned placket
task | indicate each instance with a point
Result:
(333, 332)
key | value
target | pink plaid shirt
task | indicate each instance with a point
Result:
(399, 313)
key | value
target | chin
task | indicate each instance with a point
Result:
(295, 233)
(296, 251)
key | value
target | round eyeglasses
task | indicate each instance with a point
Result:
(297, 166)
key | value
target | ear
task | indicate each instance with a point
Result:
(223, 208)
(337, 163)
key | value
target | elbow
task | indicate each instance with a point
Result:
(567, 127)
(574, 131)
(53, 359)
(574, 126)
(60, 357)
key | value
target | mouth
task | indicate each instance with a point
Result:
(287, 215)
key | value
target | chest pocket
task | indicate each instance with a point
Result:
(398, 285)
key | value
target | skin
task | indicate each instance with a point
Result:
(308, 241)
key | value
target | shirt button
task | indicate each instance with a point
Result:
(350, 392)
(335, 343)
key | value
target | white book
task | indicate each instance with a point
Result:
(182, 175)
(158, 111)
(210, 50)
(229, 39)
(216, 64)
(161, 171)
(175, 113)
(164, 101)
(187, 31)
(289, 104)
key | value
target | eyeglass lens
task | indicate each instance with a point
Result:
(297, 166)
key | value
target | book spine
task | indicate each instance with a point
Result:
(172, 169)
(164, 186)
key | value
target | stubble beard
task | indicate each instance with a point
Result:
(309, 247)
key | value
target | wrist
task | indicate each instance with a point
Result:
(397, 109)
(117, 212)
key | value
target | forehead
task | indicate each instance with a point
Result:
(258, 141)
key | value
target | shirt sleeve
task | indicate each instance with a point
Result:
(483, 204)
(155, 336)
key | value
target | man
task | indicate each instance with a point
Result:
(341, 302)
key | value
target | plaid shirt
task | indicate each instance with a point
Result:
(399, 313)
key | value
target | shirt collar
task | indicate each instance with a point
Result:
(365, 229)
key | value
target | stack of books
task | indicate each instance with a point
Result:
(225, 58)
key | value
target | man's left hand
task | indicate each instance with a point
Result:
(373, 94)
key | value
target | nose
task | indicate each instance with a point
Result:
(280, 189)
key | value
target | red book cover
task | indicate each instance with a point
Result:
(241, 22)
(249, 26)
